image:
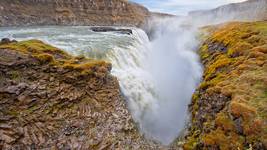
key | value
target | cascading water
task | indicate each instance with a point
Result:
(157, 77)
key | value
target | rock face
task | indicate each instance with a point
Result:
(51, 100)
(251, 10)
(229, 110)
(71, 12)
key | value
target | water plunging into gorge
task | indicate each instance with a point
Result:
(157, 77)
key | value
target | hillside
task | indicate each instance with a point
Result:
(69, 12)
(251, 10)
(229, 108)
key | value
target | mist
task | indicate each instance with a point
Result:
(170, 70)
(176, 72)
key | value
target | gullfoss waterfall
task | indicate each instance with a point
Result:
(157, 77)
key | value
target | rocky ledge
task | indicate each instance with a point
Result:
(229, 109)
(112, 29)
(51, 100)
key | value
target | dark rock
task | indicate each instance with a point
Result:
(238, 124)
(111, 29)
(5, 41)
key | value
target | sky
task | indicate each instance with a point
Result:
(182, 7)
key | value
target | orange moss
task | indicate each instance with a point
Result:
(225, 142)
(222, 120)
(235, 67)
(242, 110)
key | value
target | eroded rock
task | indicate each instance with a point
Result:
(51, 100)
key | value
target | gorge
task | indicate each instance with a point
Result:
(107, 90)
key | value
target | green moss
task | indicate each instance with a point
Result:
(14, 75)
(261, 27)
(192, 141)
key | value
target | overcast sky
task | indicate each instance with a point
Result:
(181, 7)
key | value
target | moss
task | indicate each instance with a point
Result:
(239, 49)
(45, 58)
(224, 121)
(234, 57)
(33, 46)
(225, 142)
(14, 75)
(192, 141)
(45, 53)
(220, 62)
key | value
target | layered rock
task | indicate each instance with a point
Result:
(229, 110)
(71, 12)
(51, 100)
(251, 10)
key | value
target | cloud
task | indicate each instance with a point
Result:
(182, 7)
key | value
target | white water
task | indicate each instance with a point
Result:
(157, 77)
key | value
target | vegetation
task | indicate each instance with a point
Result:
(229, 110)
(48, 54)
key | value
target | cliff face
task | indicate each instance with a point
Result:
(51, 100)
(229, 110)
(251, 10)
(71, 12)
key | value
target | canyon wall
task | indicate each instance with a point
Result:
(251, 10)
(229, 107)
(71, 12)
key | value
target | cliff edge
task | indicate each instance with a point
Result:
(229, 109)
(51, 100)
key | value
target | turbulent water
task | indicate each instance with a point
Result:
(158, 78)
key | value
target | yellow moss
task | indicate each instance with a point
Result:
(240, 73)
(220, 62)
(239, 49)
(222, 120)
(45, 58)
(48, 54)
(87, 67)
(192, 142)
(33, 46)
(204, 52)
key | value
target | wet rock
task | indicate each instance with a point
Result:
(111, 29)
(5, 41)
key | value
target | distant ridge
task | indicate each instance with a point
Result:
(71, 12)
(251, 10)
